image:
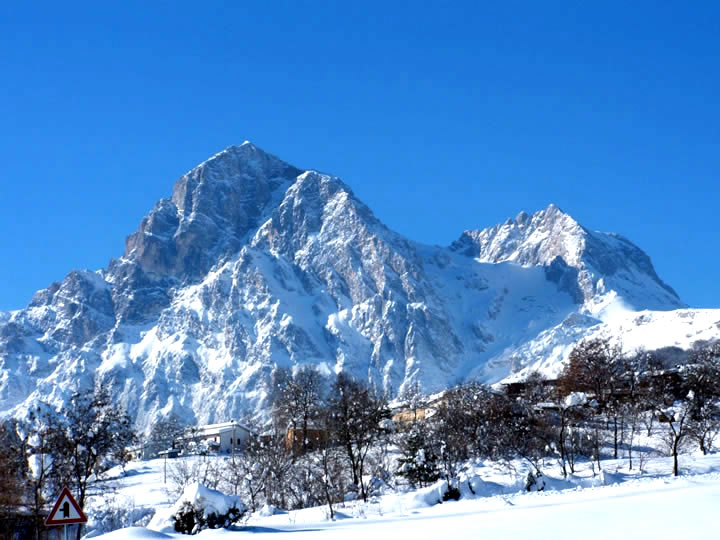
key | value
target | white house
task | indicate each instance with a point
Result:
(225, 437)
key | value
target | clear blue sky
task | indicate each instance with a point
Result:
(441, 116)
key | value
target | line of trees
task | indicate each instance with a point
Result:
(599, 404)
(631, 392)
(332, 439)
(342, 420)
(328, 435)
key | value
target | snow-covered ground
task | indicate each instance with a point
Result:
(616, 503)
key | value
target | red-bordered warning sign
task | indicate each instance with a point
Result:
(66, 510)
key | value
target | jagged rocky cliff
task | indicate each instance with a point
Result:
(253, 263)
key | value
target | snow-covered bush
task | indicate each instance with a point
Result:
(203, 508)
(452, 494)
(427, 496)
(535, 482)
(199, 508)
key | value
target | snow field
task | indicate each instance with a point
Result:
(615, 503)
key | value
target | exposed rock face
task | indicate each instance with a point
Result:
(210, 216)
(212, 211)
(589, 265)
(253, 263)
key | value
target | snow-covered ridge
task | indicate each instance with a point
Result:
(253, 263)
(597, 268)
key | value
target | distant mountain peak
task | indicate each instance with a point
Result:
(553, 212)
(603, 264)
(507, 242)
(553, 208)
(542, 218)
(235, 159)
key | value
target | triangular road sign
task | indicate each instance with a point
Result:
(66, 510)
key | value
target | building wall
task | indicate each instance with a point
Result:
(225, 437)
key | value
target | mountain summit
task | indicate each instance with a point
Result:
(599, 269)
(253, 263)
(213, 209)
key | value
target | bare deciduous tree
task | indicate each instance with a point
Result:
(702, 378)
(356, 417)
(13, 474)
(297, 401)
(91, 437)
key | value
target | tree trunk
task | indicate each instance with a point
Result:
(562, 448)
(597, 448)
(615, 437)
(81, 502)
(328, 495)
(361, 469)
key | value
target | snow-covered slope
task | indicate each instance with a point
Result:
(253, 263)
(614, 503)
(670, 333)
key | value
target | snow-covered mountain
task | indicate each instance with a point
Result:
(253, 263)
(598, 269)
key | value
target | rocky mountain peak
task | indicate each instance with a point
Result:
(212, 211)
(592, 266)
(529, 240)
(238, 171)
(548, 214)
